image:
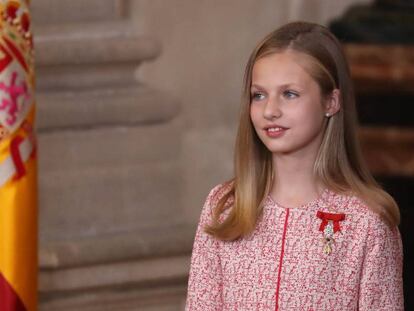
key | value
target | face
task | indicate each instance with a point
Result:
(284, 95)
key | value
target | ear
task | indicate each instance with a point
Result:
(333, 102)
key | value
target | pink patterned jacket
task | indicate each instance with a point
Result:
(282, 264)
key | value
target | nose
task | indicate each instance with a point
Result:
(271, 109)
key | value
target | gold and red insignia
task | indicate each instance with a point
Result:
(329, 226)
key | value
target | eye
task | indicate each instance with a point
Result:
(257, 96)
(289, 94)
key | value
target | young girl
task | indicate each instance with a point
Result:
(303, 225)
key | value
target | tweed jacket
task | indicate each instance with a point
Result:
(284, 265)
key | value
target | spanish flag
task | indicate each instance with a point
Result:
(18, 166)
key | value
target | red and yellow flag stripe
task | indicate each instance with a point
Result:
(18, 163)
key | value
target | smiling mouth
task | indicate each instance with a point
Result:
(275, 132)
(275, 129)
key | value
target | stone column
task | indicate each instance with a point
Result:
(111, 235)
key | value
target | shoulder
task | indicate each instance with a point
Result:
(214, 195)
(218, 192)
(368, 218)
(354, 205)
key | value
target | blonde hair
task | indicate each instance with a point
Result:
(339, 164)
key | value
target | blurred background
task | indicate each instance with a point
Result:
(138, 102)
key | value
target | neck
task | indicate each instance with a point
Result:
(294, 182)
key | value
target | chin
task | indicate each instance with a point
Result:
(278, 149)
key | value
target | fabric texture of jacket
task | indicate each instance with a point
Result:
(282, 265)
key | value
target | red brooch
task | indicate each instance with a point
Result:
(329, 225)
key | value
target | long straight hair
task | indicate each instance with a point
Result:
(339, 164)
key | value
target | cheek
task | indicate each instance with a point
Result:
(310, 111)
(310, 120)
(254, 114)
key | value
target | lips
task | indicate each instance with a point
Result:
(275, 131)
(275, 126)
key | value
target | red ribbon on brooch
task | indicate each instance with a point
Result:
(336, 218)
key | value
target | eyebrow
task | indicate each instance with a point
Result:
(281, 86)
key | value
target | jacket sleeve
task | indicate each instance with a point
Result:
(204, 292)
(381, 286)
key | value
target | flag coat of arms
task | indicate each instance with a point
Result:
(18, 165)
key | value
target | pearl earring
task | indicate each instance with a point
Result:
(327, 114)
